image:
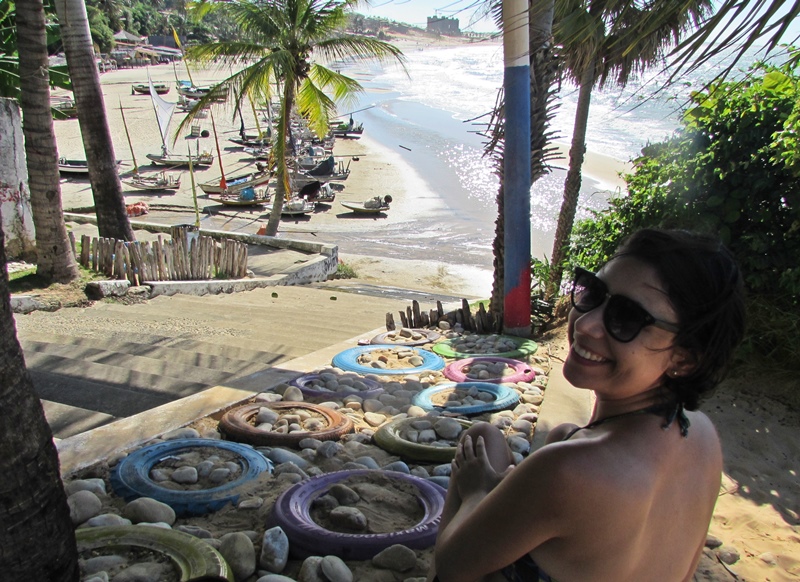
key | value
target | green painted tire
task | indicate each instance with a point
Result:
(192, 556)
(525, 347)
(388, 438)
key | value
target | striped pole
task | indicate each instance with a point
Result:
(517, 180)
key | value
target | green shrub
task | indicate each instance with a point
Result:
(345, 271)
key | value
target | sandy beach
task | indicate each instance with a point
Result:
(416, 246)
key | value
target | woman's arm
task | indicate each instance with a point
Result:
(500, 519)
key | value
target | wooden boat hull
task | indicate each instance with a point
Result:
(290, 209)
(155, 184)
(80, 167)
(361, 209)
(237, 183)
(171, 160)
(145, 89)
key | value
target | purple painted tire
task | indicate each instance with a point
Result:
(523, 372)
(304, 383)
(291, 511)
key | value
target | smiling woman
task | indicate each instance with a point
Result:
(630, 495)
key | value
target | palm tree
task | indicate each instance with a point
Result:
(279, 39)
(55, 261)
(112, 220)
(603, 42)
(37, 538)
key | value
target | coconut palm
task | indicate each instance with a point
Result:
(37, 538)
(604, 43)
(54, 258)
(279, 40)
(112, 220)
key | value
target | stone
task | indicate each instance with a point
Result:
(99, 563)
(181, 433)
(195, 530)
(238, 551)
(250, 503)
(374, 419)
(335, 570)
(310, 570)
(368, 462)
(275, 578)
(397, 558)
(218, 475)
(96, 486)
(290, 467)
(274, 550)
(100, 289)
(281, 456)
(143, 572)
(148, 510)
(343, 494)
(266, 415)
(83, 505)
(329, 449)
(728, 555)
(713, 541)
(185, 475)
(348, 518)
(107, 519)
(398, 466)
(293, 394)
(447, 428)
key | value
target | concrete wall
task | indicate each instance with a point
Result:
(15, 198)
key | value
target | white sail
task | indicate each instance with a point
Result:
(163, 109)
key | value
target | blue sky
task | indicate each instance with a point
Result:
(416, 12)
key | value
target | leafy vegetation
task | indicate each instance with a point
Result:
(345, 271)
(731, 170)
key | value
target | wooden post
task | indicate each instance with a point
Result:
(390, 326)
(417, 315)
(86, 250)
(71, 236)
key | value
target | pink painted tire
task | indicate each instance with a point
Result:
(523, 372)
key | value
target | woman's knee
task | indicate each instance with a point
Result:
(495, 441)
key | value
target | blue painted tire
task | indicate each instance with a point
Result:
(291, 511)
(130, 479)
(523, 372)
(193, 557)
(348, 360)
(388, 438)
(525, 347)
(504, 397)
(304, 383)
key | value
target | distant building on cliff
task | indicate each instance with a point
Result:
(443, 25)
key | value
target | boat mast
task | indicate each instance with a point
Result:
(153, 94)
(222, 182)
(128, 135)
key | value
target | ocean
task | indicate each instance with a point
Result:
(423, 116)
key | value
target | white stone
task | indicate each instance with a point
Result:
(238, 551)
(274, 550)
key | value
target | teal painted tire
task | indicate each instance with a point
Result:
(191, 556)
(348, 360)
(388, 437)
(525, 347)
(504, 397)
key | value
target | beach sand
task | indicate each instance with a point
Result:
(757, 512)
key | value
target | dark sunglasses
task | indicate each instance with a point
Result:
(622, 317)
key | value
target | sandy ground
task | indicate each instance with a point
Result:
(757, 512)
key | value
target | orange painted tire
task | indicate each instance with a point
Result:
(236, 424)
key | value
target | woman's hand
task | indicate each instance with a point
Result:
(472, 472)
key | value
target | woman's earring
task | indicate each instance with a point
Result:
(674, 373)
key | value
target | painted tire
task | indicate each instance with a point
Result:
(504, 397)
(523, 372)
(291, 511)
(525, 347)
(131, 477)
(384, 338)
(192, 556)
(388, 438)
(235, 424)
(304, 383)
(348, 360)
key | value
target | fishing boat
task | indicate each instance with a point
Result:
(372, 206)
(328, 170)
(143, 89)
(163, 111)
(258, 153)
(63, 108)
(160, 182)
(312, 157)
(78, 167)
(248, 196)
(252, 141)
(345, 129)
(317, 192)
(187, 89)
(294, 207)
(235, 184)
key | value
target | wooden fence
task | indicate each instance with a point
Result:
(183, 258)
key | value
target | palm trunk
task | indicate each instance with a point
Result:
(37, 540)
(280, 158)
(572, 185)
(112, 220)
(55, 261)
